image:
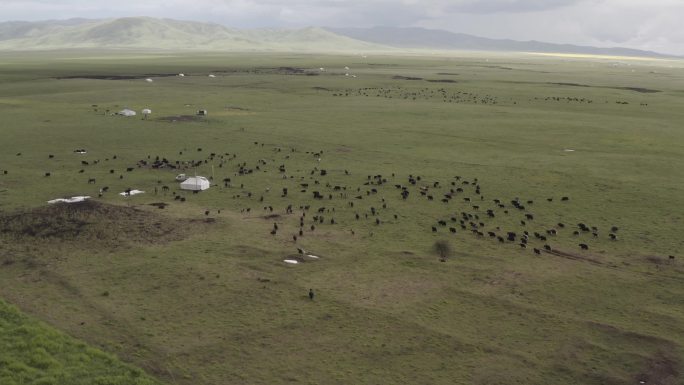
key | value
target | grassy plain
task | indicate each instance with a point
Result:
(214, 303)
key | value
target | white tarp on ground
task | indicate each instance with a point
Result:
(69, 200)
(132, 192)
(195, 183)
(126, 112)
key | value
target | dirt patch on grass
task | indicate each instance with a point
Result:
(115, 77)
(89, 223)
(638, 89)
(399, 77)
(574, 256)
(180, 118)
(660, 369)
(635, 89)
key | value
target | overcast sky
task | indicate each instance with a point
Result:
(645, 24)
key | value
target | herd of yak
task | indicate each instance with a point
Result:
(321, 199)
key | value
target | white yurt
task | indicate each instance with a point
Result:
(195, 183)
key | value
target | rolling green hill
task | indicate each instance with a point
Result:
(34, 353)
(151, 33)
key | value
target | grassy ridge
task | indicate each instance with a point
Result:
(34, 353)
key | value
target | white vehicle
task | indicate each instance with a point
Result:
(181, 177)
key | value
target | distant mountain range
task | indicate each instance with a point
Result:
(444, 40)
(167, 34)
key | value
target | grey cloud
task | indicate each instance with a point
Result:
(508, 6)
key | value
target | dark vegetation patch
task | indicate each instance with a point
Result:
(320, 88)
(399, 77)
(89, 223)
(160, 205)
(638, 89)
(571, 84)
(574, 256)
(442, 81)
(661, 368)
(180, 118)
(115, 77)
(447, 74)
(635, 89)
(270, 70)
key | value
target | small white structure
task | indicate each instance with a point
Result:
(212, 75)
(149, 80)
(129, 193)
(195, 183)
(181, 75)
(69, 200)
(126, 112)
(145, 112)
(346, 68)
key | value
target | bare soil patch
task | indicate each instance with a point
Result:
(115, 77)
(574, 256)
(399, 77)
(660, 369)
(635, 89)
(89, 223)
(180, 118)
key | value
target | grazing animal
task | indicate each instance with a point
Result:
(584, 246)
(91, 180)
(547, 247)
(434, 229)
(47, 174)
(311, 294)
(537, 251)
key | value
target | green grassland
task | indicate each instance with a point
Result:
(194, 295)
(33, 353)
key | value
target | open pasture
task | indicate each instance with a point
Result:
(379, 161)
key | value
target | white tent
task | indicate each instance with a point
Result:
(195, 183)
(126, 112)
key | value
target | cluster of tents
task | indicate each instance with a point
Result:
(129, 112)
